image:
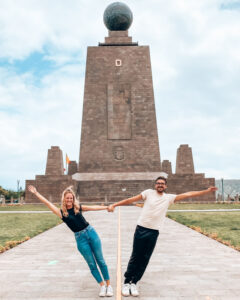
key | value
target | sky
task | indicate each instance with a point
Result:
(195, 57)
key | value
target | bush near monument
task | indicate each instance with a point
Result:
(8, 194)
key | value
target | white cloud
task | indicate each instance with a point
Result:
(50, 115)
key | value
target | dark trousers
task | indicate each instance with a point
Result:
(143, 245)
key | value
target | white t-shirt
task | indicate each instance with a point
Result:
(154, 209)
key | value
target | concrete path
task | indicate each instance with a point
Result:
(185, 264)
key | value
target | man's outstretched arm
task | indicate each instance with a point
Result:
(125, 202)
(192, 194)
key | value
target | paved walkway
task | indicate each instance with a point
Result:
(185, 264)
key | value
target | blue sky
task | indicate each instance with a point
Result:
(194, 47)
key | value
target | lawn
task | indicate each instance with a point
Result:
(15, 228)
(22, 207)
(205, 206)
(223, 226)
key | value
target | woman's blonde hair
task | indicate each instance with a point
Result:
(76, 205)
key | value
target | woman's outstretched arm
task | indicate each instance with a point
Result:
(93, 207)
(49, 204)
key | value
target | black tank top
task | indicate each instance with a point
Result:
(75, 222)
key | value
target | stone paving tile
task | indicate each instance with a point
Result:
(184, 266)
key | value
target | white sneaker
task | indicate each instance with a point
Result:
(102, 292)
(134, 290)
(126, 289)
(109, 292)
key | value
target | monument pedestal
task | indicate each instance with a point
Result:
(112, 187)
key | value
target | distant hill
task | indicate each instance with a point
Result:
(230, 186)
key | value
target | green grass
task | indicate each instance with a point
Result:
(225, 224)
(205, 206)
(26, 207)
(16, 227)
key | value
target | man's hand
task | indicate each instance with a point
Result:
(110, 208)
(32, 189)
(212, 189)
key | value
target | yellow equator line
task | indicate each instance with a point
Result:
(119, 276)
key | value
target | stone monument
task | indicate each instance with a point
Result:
(119, 148)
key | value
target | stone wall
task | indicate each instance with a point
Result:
(51, 187)
(115, 190)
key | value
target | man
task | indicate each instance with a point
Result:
(155, 207)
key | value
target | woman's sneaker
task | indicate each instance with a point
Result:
(126, 289)
(134, 290)
(109, 292)
(102, 292)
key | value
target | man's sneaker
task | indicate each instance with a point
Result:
(109, 292)
(102, 292)
(134, 290)
(126, 289)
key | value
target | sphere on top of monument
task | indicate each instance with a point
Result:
(117, 16)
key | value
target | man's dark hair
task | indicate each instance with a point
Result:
(162, 178)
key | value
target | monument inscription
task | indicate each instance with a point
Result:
(119, 112)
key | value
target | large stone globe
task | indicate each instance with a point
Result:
(117, 16)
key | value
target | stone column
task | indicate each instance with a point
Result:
(167, 167)
(184, 163)
(72, 167)
(54, 162)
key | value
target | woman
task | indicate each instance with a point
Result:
(88, 241)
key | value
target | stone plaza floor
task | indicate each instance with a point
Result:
(185, 264)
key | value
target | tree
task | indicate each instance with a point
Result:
(10, 193)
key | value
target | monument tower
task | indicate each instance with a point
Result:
(119, 149)
(119, 130)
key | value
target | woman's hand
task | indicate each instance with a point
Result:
(49, 204)
(110, 208)
(32, 189)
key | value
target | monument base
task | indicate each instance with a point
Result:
(112, 187)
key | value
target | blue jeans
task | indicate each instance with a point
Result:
(89, 245)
